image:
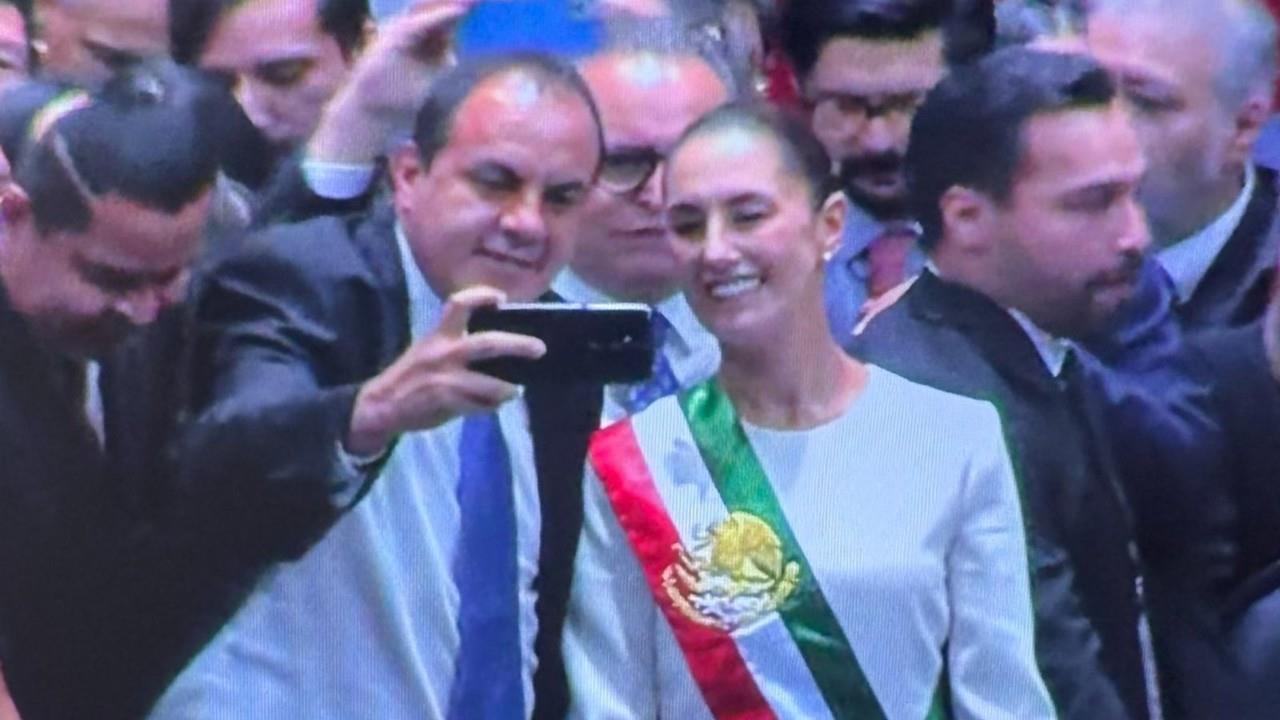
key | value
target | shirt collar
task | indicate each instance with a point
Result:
(424, 305)
(1052, 350)
(1189, 260)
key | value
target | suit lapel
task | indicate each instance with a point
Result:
(991, 329)
(1236, 288)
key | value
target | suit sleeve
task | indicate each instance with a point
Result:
(991, 651)
(609, 647)
(278, 357)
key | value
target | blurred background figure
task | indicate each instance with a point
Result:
(85, 41)
(15, 45)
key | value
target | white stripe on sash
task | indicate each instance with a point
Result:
(692, 502)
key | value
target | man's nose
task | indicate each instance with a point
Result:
(255, 100)
(522, 219)
(879, 135)
(1135, 236)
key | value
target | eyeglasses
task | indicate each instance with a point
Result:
(628, 170)
(829, 106)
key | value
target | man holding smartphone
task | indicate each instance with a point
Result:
(336, 351)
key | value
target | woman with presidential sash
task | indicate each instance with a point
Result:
(802, 536)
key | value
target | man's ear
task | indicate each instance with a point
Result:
(406, 169)
(15, 205)
(966, 219)
(1249, 119)
(831, 217)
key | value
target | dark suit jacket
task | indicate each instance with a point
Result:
(1247, 403)
(101, 601)
(1247, 399)
(1236, 288)
(289, 329)
(1080, 526)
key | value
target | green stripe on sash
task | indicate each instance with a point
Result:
(743, 486)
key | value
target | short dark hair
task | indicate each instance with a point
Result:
(434, 121)
(149, 135)
(191, 22)
(808, 25)
(802, 152)
(969, 131)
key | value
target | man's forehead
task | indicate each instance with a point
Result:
(1144, 46)
(880, 65)
(252, 31)
(511, 99)
(149, 17)
(517, 108)
(1081, 146)
(644, 70)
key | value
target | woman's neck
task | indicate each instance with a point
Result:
(800, 380)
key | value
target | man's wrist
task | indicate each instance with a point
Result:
(371, 427)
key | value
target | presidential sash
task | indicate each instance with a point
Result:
(742, 588)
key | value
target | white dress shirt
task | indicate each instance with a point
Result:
(1189, 260)
(364, 625)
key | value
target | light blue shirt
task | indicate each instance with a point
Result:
(364, 625)
(849, 270)
(1189, 260)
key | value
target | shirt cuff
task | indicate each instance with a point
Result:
(337, 181)
(352, 473)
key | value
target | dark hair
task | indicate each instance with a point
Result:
(808, 25)
(148, 135)
(434, 121)
(191, 22)
(969, 130)
(18, 106)
(802, 153)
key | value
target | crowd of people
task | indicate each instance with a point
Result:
(965, 386)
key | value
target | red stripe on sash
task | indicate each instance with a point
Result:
(726, 683)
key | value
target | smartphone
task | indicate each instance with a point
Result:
(604, 343)
(555, 27)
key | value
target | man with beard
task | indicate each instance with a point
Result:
(1023, 171)
(101, 599)
(864, 67)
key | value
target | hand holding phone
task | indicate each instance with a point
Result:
(605, 343)
(432, 382)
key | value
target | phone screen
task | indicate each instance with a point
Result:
(555, 27)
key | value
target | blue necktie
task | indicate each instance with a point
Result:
(662, 381)
(488, 682)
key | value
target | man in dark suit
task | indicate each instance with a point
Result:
(1199, 78)
(101, 600)
(1023, 171)
(334, 352)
